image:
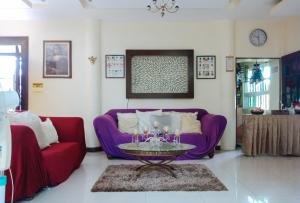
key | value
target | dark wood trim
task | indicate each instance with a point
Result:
(94, 149)
(189, 53)
(23, 41)
(70, 58)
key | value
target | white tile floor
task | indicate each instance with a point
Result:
(249, 180)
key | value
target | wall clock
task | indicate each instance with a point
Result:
(258, 37)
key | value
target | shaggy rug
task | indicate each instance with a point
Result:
(190, 177)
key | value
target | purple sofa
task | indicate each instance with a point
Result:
(213, 126)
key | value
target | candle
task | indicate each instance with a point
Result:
(166, 129)
(135, 132)
(155, 124)
(177, 133)
(145, 130)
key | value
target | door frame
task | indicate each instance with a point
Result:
(280, 83)
(23, 41)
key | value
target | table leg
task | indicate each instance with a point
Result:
(164, 164)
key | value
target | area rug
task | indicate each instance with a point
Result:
(190, 177)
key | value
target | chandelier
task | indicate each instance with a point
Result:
(163, 6)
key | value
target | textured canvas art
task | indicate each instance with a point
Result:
(159, 74)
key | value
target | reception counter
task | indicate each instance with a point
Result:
(271, 135)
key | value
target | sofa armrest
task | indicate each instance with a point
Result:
(213, 127)
(27, 166)
(108, 133)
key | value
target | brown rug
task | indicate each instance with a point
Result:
(190, 177)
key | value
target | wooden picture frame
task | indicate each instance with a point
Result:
(159, 73)
(206, 67)
(114, 66)
(57, 59)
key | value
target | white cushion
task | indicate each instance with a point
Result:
(127, 122)
(189, 124)
(50, 131)
(34, 122)
(175, 121)
(144, 119)
(163, 120)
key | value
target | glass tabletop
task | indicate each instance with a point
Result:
(164, 147)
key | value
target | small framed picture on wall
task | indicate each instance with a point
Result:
(57, 59)
(206, 67)
(230, 63)
(114, 66)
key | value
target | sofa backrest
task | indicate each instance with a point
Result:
(113, 112)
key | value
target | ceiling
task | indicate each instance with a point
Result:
(136, 9)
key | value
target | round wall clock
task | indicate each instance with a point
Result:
(258, 37)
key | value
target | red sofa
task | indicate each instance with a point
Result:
(33, 168)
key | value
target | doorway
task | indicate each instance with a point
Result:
(14, 67)
(258, 85)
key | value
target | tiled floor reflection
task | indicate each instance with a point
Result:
(249, 180)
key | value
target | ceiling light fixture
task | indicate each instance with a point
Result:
(163, 6)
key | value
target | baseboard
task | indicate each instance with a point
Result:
(218, 147)
(94, 149)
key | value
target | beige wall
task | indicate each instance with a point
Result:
(274, 46)
(79, 96)
(206, 38)
(292, 29)
(89, 93)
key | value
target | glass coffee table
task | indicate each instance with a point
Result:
(144, 150)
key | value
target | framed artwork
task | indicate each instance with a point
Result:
(230, 63)
(57, 59)
(159, 73)
(206, 67)
(114, 66)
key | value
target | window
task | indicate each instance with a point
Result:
(14, 67)
(8, 72)
(257, 94)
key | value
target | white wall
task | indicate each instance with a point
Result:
(206, 38)
(220, 38)
(89, 93)
(292, 30)
(274, 46)
(79, 96)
